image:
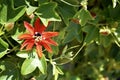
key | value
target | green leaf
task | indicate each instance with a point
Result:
(59, 70)
(67, 12)
(42, 1)
(18, 30)
(3, 48)
(30, 8)
(18, 3)
(113, 12)
(1, 32)
(56, 71)
(91, 51)
(9, 13)
(84, 16)
(9, 71)
(61, 36)
(64, 50)
(29, 65)
(114, 3)
(55, 50)
(3, 53)
(42, 64)
(84, 4)
(106, 40)
(73, 32)
(92, 33)
(69, 37)
(47, 12)
(23, 54)
(41, 77)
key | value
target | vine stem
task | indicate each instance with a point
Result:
(8, 41)
(14, 48)
(70, 59)
(118, 2)
(78, 51)
(99, 24)
(116, 39)
(69, 3)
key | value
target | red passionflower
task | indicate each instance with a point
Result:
(38, 37)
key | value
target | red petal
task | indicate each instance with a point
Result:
(49, 34)
(47, 47)
(39, 50)
(38, 26)
(30, 45)
(50, 41)
(25, 36)
(25, 43)
(29, 27)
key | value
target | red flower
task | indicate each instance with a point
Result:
(37, 37)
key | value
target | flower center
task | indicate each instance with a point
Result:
(37, 36)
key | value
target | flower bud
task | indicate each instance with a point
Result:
(31, 16)
(105, 32)
(9, 26)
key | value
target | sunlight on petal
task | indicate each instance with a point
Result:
(50, 41)
(47, 47)
(39, 50)
(25, 43)
(29, 27)
(49, 34)
(30, 45)
(25, 36)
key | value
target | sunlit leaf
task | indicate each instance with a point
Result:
(3, 48)
(32, 62)
(42, 64)
(59, 70)
(84, 4)
(29, 65)
(23, 54)
(56, 71)
(30, 9)
(114, 3)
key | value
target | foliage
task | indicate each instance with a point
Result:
(88, 42)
